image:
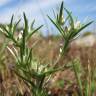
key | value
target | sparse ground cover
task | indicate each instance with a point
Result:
(62, 82)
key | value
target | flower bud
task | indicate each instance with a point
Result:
(77, 25)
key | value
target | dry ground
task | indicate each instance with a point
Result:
(47, 51)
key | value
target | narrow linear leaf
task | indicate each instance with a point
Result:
(4, 28)
(25, 79)
(71, 18)
(52, 71)
(13, 54)
(15, 26)
(76, 32)
(26, 24)
(30, 34)
(23, 42)
(32, 24)
(84, 26)
(11, 23)
(58, 27)
(42, 81)
(61, 12)
(68, 17)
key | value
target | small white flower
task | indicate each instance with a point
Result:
(60, 50)
(41, 68)
(77, 24)
(20, 34)
(62, 18)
